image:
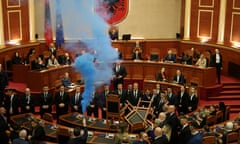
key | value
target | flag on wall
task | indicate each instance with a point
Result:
(59, 26)
(48, 26)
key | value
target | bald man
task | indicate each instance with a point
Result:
(27, 102)
(159, 137)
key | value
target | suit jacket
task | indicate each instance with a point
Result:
(193, 102)
(46, 101)
(160, 76)
(195, 139)
(181, 79)
(3, 128)
(38, 134)
(134, 99)
(213, 61)
(183, 101)
(173, 121)
(137, 55)
(3, 80)
(15, 104)
(171, 57)
(122, 71)
(185, 135)
(74, 102)
(61, 99)
(161, 140)
(80, 140)
(24, 103)
(173, 99)
(122, 95)
(20, 141)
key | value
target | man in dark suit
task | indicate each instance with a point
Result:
(185, 132)
(136, 95)
(27, 102)
(3, 126)
(93, 106)
(11, 103)
(172, 98)
(170, 57)
(76, 98)
(37, 134)
(216, 61)
(173, 122)
(79, 137)
(179, 78)
(182, 103)
(119, 74)
(3, 82)
(102, 100)
(45, 101)
(137, 54)
(159, 137)
(193, 100)
(121, 94)
(61, 101)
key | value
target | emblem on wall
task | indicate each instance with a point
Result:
(113, 11)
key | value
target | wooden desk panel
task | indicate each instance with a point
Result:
(20, 72)
(37, 79)
(146, 70)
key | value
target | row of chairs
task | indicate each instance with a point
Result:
(232, 138)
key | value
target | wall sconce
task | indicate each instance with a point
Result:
(204, 39)
(235, 44)
(13, 42)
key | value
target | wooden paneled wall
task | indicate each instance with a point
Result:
(16, 20)
(204, 20)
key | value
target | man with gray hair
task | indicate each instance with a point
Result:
(22, 138)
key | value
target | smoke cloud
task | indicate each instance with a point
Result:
(82, 23)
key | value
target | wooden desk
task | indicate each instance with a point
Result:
(37, 79)
(147, 70)
(94, 137)
(20, 72)
(75, 119)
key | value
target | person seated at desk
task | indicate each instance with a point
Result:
(186, 58)
(52, 61)
(38, 64)
(17, 59)
(79, 135)
(179, 78)
(170, 57)
(64, 59)
(66, 81)
(162, 75)
(201, 62)
(137, 54)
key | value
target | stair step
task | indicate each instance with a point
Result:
(232, 92)
(230, 87)
(224, 97)
(231, 83)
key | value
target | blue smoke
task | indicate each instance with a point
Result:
(80, 22)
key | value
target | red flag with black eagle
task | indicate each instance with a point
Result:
(47, 24)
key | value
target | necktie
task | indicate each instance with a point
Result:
(11, 108)
(45, 96)
(28, 99)
(135, 93)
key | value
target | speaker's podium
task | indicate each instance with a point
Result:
(140, 116)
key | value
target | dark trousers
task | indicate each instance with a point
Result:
(218, 70)
(92, 110)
